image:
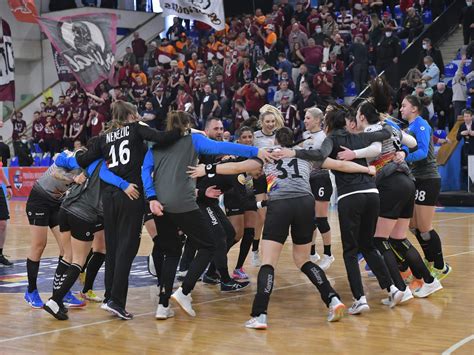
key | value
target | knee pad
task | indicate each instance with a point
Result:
(426, 236)
(322, 224)
(382, 244)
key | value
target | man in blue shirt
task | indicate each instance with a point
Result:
(431, 73)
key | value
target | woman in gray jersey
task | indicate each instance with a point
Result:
(270, 120)
(321, 186)
(290, 204)
(42, 209)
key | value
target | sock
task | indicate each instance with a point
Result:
(71, 276)
(327, 250)
(255, 244)
(436, 250)
(32, 268)
(89, 256)
(313, 249)
(265, 279)
(168, 273)
(424, 244)
(383, 246)
(225, 277)
(93, 267)
(404, 250)
(211, 270)
(158, 257)
(59, 274)
(245, 244)
(317, 276)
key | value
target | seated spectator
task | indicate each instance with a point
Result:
(265, 73)
(429, 50)
(359, 29)
(466, 133)
(388, 21)
(431, 72)
(22, 151)
(443, 105)
(344, 21)
(138, 72)
(283, 91)
(412, 26)
(139, 92)
(129, 57)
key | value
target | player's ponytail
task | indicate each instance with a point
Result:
(178, 119)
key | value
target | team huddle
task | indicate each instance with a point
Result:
(97, 200)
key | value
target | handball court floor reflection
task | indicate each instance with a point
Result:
(297, 316)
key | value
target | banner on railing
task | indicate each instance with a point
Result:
(7, 63)
(22, 178)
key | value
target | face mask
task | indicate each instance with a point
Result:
(324, 69)
(24, 141)
(388, 34)
(425, 46)
(318, 30)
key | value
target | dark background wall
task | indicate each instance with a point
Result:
(238, 7)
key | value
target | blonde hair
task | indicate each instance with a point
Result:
(271, 110)
(316, 113)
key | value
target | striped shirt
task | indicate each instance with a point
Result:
(54, 183)
(261, 140)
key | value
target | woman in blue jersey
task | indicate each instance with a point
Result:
(172, 197)
(424, 168)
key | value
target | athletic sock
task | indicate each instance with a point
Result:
(317, 276)
(436, 250)
(406, 252)
(265, 279)
(424, 245)
(89, 256)
(245, 245)
(327, 250)
(32, 268)
(383, 246)
(313, 249)
(158, 257)
(168, 273)
(71, 276)
(93, 267)
(255, 244)
(59, 274)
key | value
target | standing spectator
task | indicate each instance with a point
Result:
(467, 20)
(429, 50)
(360, 63)
(19, 127)
(289, 114)
(306, 100)
(50, 142)
(150, 62)
(166, 52)
(312, 55)
(160, 106)
(95, 122)
(23, 151)
(240, 114)
(182, 98)
(296, 61)
(297, 36)
(254, 97)
(73, 91)
(466, 133)
(460, 89)
(37, 128)
(129, 57)
(431, 72)
(303, 77)
(269, 43)
(64, 107)
(138, 72)
(209, 105)
(359, 29)
(4, 152)
(139, 92)
(50, 109)
(283, 91)
(175, 30)
(318, 35)
(300, 13)
(344, 21)
(313, 21)
(264, 73)
(214, 70)
(323, 84)
(443, 105)
(330, 26)
(76, 128)
(412, 26)
(388, 52)
(284, 65)
(148, 114)
(60, 126)
(139, 48)
(335, 67)
(82, 107)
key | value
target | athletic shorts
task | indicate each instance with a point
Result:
(427, 191)
(397, 196)
(4, 214)
(297, 213)
(235, 206)
(148, 215)
(260, 185)
(80, 229)
(321, 185)
(42, 211)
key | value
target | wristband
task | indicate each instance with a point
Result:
(210, 170)
(262, 204)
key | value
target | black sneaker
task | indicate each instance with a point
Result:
(118, 311)
(211, 279)
(233, 286)
(55, 310)
(4, 261)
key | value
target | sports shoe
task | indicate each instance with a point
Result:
(427, 289)
(118, 311)
(369, 271)
(91, 296)
(71, 301)
(184, 301)
(360, 258)
(441, 274)
(234, 286)
(211, 279)
(326, 262)
(415, 284)
(336, 310)
(359, 306)
(164, 312)
(55, 310)
(34, 299)
(314, 257)
(103, 306)
(151, 265)
(395, 297)
(240, 274)
(256, 259)
(4, 261)
(407, 276)
(259, 322)
(428, 264)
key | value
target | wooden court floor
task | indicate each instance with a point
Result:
(442, 323)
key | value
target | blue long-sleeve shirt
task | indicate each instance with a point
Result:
(105, 174)
(170, 184)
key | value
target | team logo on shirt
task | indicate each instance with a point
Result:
(14, 279)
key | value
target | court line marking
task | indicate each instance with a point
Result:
(458, 345)
(196, 304)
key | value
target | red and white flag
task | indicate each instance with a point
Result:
(24, 10)
(7, 64)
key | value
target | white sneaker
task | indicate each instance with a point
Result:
(256, 259)
(394, 297)
(336, 310)
(359, 306)
(427, 289)
(326, 262)
(314, 257)
(164, 312)
(407, 295)
(259, 322)
(104, 306)
(184, 301)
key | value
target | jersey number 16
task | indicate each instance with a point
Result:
(123, 154)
